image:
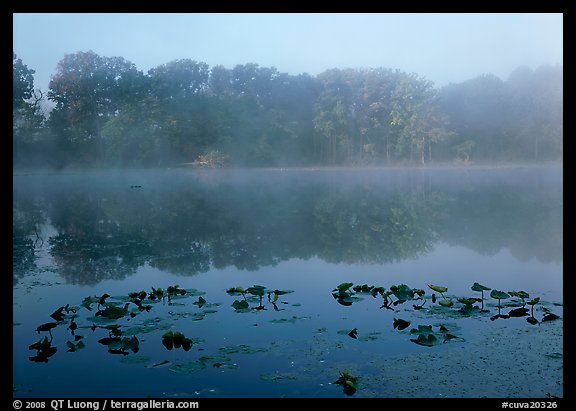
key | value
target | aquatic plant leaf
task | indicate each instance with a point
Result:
(46, 327)
(550, 317)
(467, 301)
(109, 340)
(426, 340)
(347, 381)
(519, 294)
(532, 320)
(186, 344)
(201, 301)
(499, 295)
(446, 303)
(236, 290)
(240, 305)
(135, 359)
(75, 347)
(58, 315)
(343, 287)
(133, 344)
(138, 295)
(41, 344)
(422, 329)
(495, 317)
(364, 288)
(400, 324)
(479, 287)
(402, 292)
(353, 333)
(448, 337)
(188, 367)
(518, 312)
(437, 288)
(256, 290)
(533, 301)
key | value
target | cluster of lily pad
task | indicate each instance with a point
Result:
(255, 294)
(106, 313)
(347, 293)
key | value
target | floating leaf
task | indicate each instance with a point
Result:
(467, 301)
(422, 329)
(499, 295)
(446, 303)
(532, 320)
(448, 337)
(518, 312)
(188, 367)
(343, 287)
(41, 344)
(46, 327)
(109, 340)
(348, 382)
(58, 315)
(201, 301)
(236, 290)
(256, 290)
(402, 292)
(550, 317)
(426, 340)
(74, 347)
(479, 287)
(520, 294)
(135, 359)
(438, 288)
(533, 301)
(400, 324)
(240, 305)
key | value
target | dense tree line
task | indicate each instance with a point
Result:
(106, 112)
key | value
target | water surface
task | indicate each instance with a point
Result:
(302, 232)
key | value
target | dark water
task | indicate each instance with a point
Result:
(302, 232)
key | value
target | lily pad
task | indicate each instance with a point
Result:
(240, 304)
(187, 368)
(348, 382)
(550, 317)
(400, 324)
(446, 303)
(343, 287)
(499, 295)
(479, 287)
(422, 329)
(135, 359)
(518, 312)
(427, 340)
(402, 292)
(438, 288)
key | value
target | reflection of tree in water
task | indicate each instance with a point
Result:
(374, 227)
(526, 219)
(26, 218)
(108, 231)
(89, 246)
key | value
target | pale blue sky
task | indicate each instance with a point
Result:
(442, 47)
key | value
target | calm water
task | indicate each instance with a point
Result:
(302, 232)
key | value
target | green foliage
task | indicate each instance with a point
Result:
(348, 382)
(184, 112)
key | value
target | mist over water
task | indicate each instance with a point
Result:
(305, 231)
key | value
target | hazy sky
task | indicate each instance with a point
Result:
(443, 48)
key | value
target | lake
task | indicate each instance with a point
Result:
(184, 283)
